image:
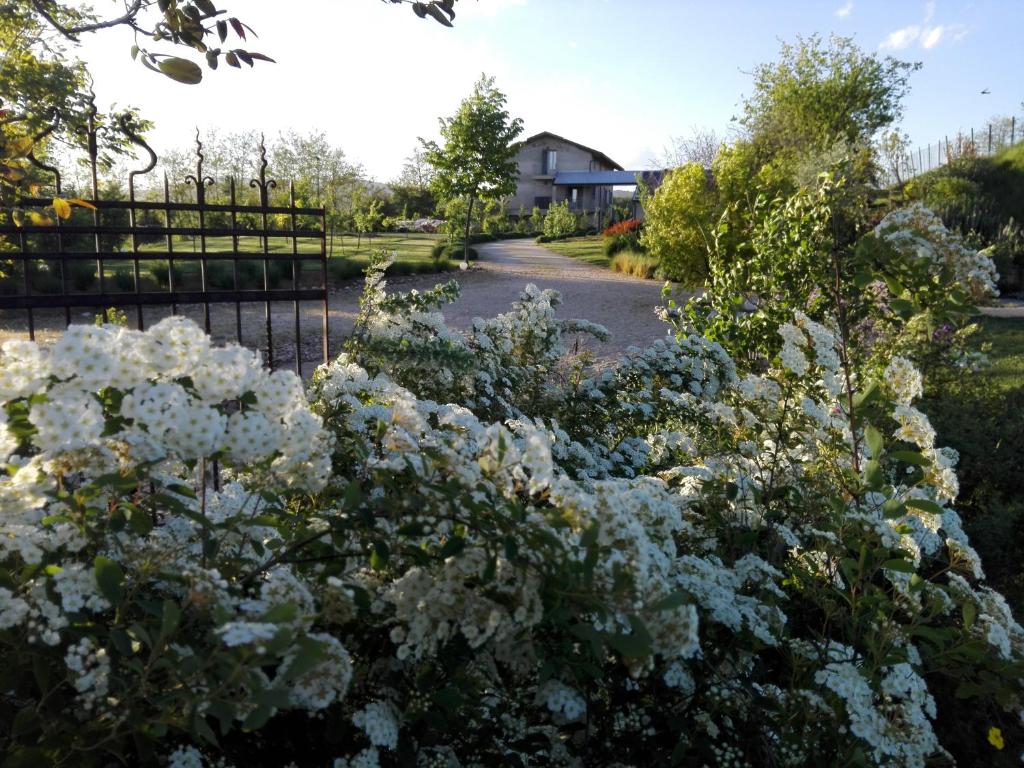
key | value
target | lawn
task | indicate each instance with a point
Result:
(589, 249)
(981, 415)
(348, 256)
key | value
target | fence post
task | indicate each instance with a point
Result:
(920, 161)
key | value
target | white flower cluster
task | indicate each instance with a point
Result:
(174, 387)
(379, 722)
(562, 700)
(90, 667)
(917, 231)
(895, 723)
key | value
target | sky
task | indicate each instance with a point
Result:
(619, 76)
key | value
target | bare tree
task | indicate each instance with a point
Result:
(894, 156)
(700, 145)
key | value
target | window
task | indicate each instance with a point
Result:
(574, 197)
(550, 164)
(542, 202)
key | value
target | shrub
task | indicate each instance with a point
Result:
(161, 274)
(635, 264)
(452, 251)
(452, 551)
(559, 221)
(681, 218)
(625, 227)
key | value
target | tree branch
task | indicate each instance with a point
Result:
(71, 33)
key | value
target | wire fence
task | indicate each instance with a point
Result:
(978, 141)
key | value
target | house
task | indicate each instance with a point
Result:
(553, 169)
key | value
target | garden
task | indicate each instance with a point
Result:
(779, 535)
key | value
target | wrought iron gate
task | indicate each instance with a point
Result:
(244, 242)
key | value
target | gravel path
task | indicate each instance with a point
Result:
(624, 305)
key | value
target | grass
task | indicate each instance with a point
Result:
(981, 415)
(345, 260)
(589, 249)
(635, 264)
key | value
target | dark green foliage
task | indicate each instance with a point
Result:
(453, 251)
(979, 194)
(981, 415)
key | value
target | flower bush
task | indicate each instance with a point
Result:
(623, 236)
(467, 549)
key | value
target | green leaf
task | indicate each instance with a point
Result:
(222, 30)
(379, 555)
(453, 546)
(672, 601)
(900, 565)
(181, 70)
(206, 7)
(911, 457)
(310, 654)
(873, 474)
(875, 441)
(970, 612)
(169, 619)
(866, 395)
(109, 579)
(893, 508)
(925, 505)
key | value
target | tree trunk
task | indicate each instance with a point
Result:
(465, 241)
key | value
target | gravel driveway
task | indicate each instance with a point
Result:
(625, 305)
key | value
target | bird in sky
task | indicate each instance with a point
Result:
(986, 92)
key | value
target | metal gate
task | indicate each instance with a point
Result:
(245, 255)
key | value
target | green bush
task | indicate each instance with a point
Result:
(452, 251)
(559, 221)
(681, 219)
(82, 275)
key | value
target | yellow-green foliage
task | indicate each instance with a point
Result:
(680, 221)
(635, 264)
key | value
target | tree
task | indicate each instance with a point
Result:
(477, 161)
(699, 146)
(678, 226)
(818, 94)
(416, 171)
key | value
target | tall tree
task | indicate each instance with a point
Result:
(416, 171)
(820, 93)
(477, 161)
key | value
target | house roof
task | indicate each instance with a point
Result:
(651, 179)
(599, 155)
(595, 178)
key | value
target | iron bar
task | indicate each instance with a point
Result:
(234, 263)
(296, 265)
(87, 240)
(323, 283)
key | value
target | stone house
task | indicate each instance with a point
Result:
(553, 169)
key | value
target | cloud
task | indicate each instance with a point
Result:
(925, 34)
(902, 38)
(845, 11)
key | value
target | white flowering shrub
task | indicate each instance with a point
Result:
(917, 233)
(491, 556)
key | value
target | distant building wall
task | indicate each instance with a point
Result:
(535, 177)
